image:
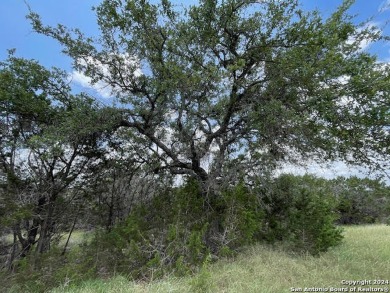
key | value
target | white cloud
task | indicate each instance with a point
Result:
(385, 5)
(128, 66)
(364, 43)
(331, 170)
(101, 88)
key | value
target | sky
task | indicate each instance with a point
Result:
(16, 32)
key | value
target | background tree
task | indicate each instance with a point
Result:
(361, 201)
(121, 181)
(43, 150)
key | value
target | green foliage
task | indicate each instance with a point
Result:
(300, 215)
(222, 69)
(174, 233)
(38, 273)
(203, 82)
(261, 268)
(361, 201)
(49, 138)
(202, 282)
(241, 217)
(160, 236)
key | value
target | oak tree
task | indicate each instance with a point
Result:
(237, 85)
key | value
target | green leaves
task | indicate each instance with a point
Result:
(266, 75)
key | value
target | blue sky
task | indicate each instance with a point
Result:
(16, 32)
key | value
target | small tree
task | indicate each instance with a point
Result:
(43, 150)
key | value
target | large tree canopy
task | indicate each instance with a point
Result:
(229, 84)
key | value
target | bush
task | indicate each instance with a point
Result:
(178, 232)
(181, 230)
(302, 216)
(39, 272)
(240, 216)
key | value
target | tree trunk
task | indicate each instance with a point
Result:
(12, 257)
(46, 230)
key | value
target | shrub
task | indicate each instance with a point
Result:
(163, 235)
(178, 232)
(181, 230)
(241, 218)
(40, 272)
(302, 216)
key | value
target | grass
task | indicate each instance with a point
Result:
(77, 237)
(7, 239)
(364, 255)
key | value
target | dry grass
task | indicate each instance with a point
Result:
(364, 255)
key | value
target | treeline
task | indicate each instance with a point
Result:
(170, 229)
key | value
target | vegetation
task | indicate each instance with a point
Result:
(180, 171)
(166, 236)
(301, 215)
(362, 201)
(363, 255)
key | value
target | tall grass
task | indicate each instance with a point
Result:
(364, 255)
